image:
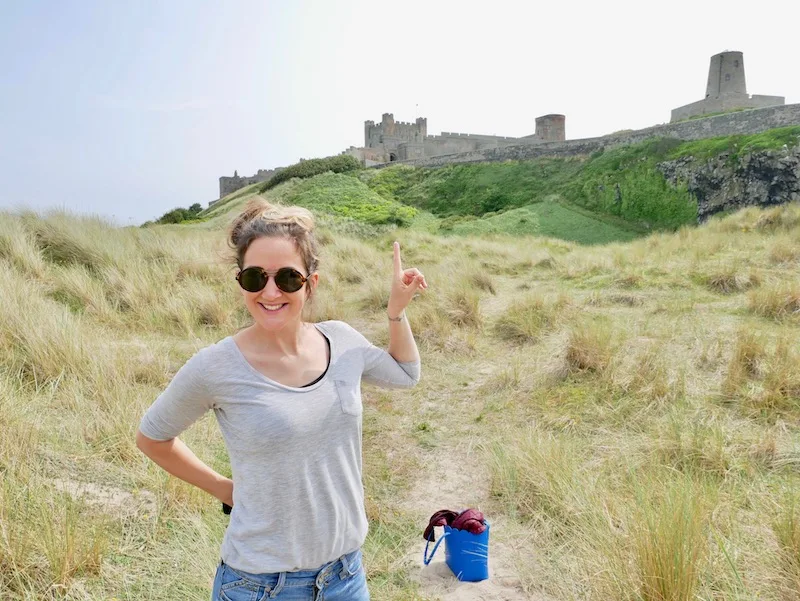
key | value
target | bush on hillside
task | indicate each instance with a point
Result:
(305, 169)
(626, 182)
(179, 214)
(348, 197)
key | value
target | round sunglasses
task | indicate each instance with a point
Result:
(254, 279)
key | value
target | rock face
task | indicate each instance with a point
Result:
(761, 178)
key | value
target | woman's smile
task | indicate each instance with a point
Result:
(272, 308)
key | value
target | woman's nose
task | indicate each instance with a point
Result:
(271, 290)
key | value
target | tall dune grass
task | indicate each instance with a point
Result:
(637, 405)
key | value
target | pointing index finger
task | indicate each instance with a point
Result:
(397, 264)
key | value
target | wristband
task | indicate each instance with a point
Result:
(398, 318)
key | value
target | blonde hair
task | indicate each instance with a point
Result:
(262, 219)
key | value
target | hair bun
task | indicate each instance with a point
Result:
(257, 208)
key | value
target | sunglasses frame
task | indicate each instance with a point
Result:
(267, 276)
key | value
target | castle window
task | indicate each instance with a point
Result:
(392, 156)
(727, 77)
(736, 63)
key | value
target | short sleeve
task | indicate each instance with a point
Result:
(380, 368)
(182, 403)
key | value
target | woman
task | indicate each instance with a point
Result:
(286, 394)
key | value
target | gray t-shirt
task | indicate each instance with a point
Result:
(295, 452)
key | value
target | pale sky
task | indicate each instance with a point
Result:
(129, 109)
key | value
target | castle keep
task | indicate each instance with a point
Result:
(726, 90)
(392, 140)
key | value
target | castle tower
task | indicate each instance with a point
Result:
(422, 124)
(726, 75)
(387, 121)
(551, 128)
(726, 90)
(368, 125)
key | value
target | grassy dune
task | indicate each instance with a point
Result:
(633, 407)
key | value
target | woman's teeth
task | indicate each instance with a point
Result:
(272, 307)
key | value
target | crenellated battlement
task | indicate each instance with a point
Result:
(450, 134)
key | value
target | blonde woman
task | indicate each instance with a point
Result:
(287, 396)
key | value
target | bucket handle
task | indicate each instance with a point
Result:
(425, 557)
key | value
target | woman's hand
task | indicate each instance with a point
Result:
(405, 283)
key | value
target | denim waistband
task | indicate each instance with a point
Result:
(345, 566)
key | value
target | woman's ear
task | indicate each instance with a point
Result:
(313, 280)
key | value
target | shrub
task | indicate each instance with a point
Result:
(179, 215)
(627, 183)
(305, 169)
(347, 197)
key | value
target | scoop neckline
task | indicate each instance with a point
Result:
(321, 329)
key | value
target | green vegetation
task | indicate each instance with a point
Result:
(178, 215)
(550, 219)
(621, 182)
(474, 189)
(305, 169)
(737, 146)
(625, 182)
(347, 197)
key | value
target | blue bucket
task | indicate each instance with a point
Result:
(466, 554)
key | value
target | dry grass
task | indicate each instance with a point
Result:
(527, 318)
(778, 301)
(463, 307)
(784, 251)
(669, 543)
(590, 348)
(482, 281)
(744, 363)
(730, 279)
(640, 444)
(786, 527)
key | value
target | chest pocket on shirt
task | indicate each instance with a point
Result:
(349, 397)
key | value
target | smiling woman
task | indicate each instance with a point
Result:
(287, 397)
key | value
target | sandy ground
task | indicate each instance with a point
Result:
(458, 489)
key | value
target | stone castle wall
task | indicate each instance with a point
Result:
(744, 122)
(227, 185)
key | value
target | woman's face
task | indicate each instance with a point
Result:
(271, 307)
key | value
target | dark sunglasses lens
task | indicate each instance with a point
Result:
(289, 280)
(252, 279)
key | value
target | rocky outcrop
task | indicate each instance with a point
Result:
(728, 181)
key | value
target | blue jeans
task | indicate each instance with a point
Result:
(340, 580)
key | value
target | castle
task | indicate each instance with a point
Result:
(392, 140)
(726, 91)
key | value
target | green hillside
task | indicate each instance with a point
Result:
(610, 196)
(550, 219)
